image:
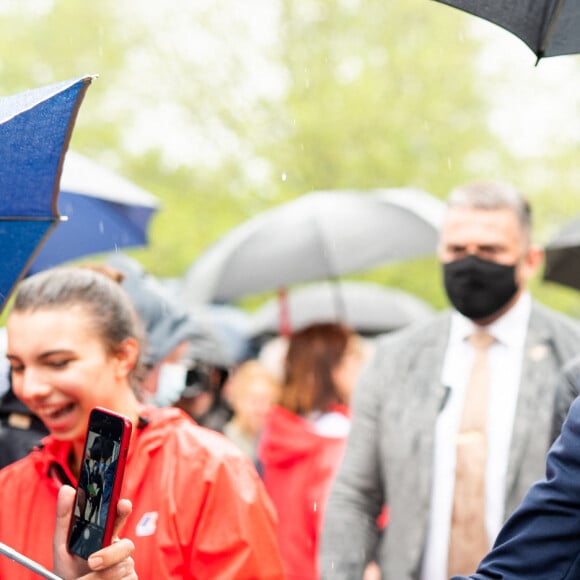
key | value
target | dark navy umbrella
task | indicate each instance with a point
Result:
(35, 130)
(104, 212)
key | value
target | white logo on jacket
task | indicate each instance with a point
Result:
(147, 524)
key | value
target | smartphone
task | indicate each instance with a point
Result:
(100, 481)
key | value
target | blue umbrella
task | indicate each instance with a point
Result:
(104, 212)
(35, 130)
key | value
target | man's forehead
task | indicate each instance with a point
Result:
(472, 216)
(474, 223)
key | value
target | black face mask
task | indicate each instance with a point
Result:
(479, 288)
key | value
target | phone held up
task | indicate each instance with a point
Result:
(100, 481)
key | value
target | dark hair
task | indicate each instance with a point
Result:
(110, 308)
(313, 353)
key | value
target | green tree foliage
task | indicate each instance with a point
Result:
(376, 98)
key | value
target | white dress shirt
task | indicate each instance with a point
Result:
(505, 361)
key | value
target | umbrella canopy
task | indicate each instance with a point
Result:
(35, 130)
(368, 308)
(548, 27)
(104, 212)
(563, 256)
(321, 235)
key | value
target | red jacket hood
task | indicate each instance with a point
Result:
(298, 469)
(287, 438)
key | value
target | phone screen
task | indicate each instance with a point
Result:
(97, 481)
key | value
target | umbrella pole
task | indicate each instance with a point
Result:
(284, 326)
(339, 305)
(550, 30)
(17, 557)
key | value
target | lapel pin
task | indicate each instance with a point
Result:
(538, 352)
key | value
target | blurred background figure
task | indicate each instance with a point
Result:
(251, 391)
(183, 367)
(272, 355)
(303, 438)
(169, 331)
(202, 397)
(20, 429)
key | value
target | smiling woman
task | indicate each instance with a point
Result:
(73, 344)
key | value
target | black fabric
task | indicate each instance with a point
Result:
(16, 442)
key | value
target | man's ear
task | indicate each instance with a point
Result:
(532, 261)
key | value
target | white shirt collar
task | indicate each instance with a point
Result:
(510, 329)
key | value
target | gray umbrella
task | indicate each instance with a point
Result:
(366, 307)
(563, 256)
(548, 27)
(321, 235)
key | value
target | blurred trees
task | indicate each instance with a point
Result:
(223, 109)
(375, 97)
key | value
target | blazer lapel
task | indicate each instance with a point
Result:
(535, 384)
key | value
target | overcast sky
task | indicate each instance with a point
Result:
(536, 107)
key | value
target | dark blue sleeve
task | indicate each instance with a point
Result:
(541, 540)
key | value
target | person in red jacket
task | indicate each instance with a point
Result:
(200, 510)
(303, 439)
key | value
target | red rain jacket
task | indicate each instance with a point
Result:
(200, 510)
(299, 467)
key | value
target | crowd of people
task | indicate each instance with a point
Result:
(408, 457)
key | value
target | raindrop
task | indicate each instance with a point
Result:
(283, 176)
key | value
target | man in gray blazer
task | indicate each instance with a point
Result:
(407, 405)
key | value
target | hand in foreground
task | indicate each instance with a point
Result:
(113, 562)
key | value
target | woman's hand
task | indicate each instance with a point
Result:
(113, 562)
